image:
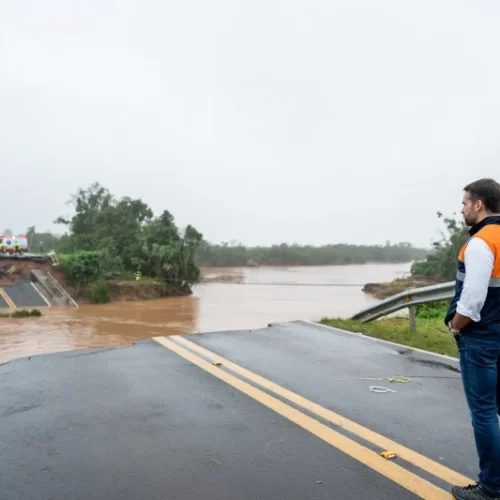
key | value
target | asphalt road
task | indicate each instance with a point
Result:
(24, 295)
(160, 420)
(3, 304)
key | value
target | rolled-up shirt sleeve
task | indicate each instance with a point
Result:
(479, 261)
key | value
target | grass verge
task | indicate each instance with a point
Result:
(431, 334)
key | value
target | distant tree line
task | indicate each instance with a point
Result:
(226, 254)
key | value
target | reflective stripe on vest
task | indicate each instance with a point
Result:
(494, 282)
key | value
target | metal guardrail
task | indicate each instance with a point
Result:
(407, 299)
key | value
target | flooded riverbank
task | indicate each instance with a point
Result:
(241, 298)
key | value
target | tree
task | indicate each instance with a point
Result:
(191, 241)
(124, 234)
(118, 227)
(162, 230)
(88, 204)
(442, 261)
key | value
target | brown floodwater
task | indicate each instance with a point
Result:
(230, 299)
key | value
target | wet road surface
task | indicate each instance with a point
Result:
(24, 295)
(288, 414)
(20, 295)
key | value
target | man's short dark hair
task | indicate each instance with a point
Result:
(487, 191)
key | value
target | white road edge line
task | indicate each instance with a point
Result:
(40, 293)
(374, 339)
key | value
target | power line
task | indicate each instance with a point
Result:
(270, 283)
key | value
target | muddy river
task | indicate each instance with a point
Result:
(230, 299)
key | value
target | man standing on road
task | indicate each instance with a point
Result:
(474, 319)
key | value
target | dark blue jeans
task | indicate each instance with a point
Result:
(480, 367)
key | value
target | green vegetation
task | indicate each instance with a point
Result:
(431, 334)
(23, 313)
(85, 267)
(109, 237)
(433, 310)
(442, 261)
(98, 291)
(238, 255)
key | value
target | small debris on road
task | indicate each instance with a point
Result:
(380, 390)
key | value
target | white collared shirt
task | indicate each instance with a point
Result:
(479, 261)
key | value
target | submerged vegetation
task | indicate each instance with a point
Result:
(22, 313)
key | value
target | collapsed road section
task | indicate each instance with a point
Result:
(26, 281)
(23, 295)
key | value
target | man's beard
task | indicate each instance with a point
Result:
(470, 220)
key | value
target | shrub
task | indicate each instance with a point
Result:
(98, 292)
(433, 310)
(86, 267)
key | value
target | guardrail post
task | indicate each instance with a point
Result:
(413, 318)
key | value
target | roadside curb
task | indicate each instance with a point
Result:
(443, 358)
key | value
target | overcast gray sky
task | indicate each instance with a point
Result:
(255, 120)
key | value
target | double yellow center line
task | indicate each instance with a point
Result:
(410, 481)
(7, 299)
